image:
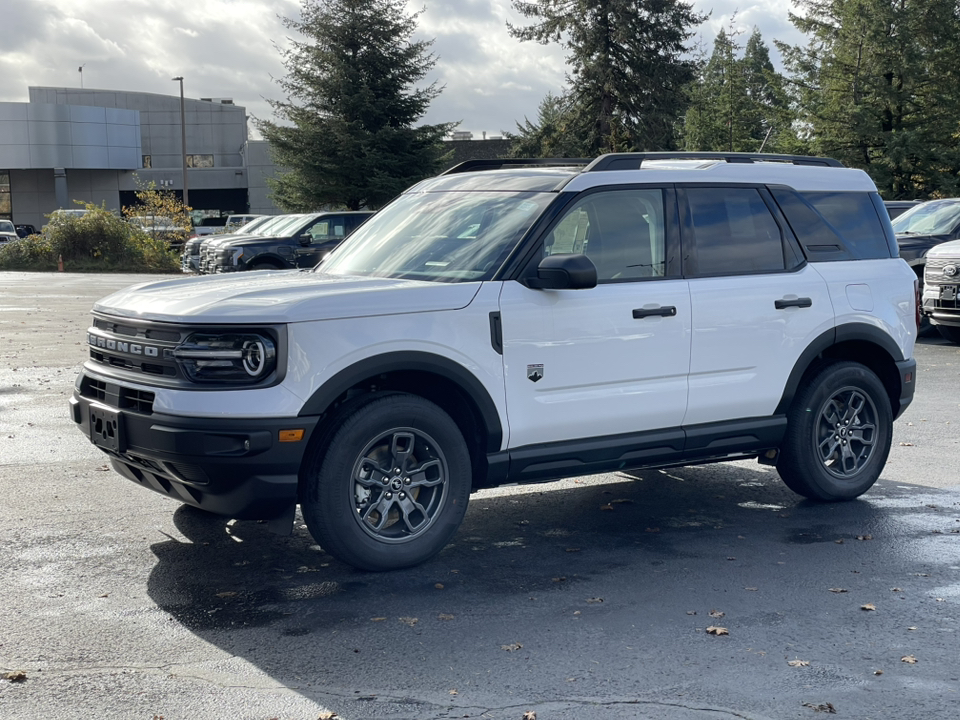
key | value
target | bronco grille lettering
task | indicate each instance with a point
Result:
(122, 347)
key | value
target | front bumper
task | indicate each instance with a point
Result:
(232, 467)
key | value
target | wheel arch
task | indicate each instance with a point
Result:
(857, 342)
(268, 258)
(444, 382)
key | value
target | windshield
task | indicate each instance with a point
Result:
(446, 237)
(931, 218)
(280, 227)
(7, 227)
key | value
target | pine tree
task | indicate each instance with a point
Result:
(552, 135)
(346, 129)
(738, 104)
(628, 67)
(877, 85)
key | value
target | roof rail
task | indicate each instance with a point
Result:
(633, 161)
(498, 163)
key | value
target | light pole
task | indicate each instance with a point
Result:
(183, 143)
(80, 70)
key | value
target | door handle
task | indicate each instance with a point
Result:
(666, 311)
(797, 302)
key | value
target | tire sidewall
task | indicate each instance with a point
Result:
(805, 419)
(328, 503)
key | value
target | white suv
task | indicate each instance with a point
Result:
(520, 321)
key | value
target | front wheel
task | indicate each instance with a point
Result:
(839, 431)
(390, 487)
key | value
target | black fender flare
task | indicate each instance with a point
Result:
(836, 335)
(411, 360)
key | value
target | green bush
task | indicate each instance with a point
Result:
(97, 241)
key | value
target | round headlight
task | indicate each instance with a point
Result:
(241, 358)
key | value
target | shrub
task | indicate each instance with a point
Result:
(96, 241)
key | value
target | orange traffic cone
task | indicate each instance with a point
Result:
(60, 263)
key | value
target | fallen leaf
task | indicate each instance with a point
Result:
(560, 579)
(439, 586)
(895, 590)
(576, 612)
(691, 612)
(622, 501)
(606, 507)
(751, 589)
(511, 647)
(878, 672)
(595, 600)
(716, 614)
(906, 444)
(15, 676)
(377, 619)
(104, 595)
(327, 715)
(731, 558)
(714, 630)
(909, 659)
(839, 542)
(864, 537)
(529, 715)
(226, 594)
(939, 599)
(798, 663)
(912, 627)
(838, 590)
(454, 692)
(444, 616)
(822, 707)
(411, 621)
(868, 606)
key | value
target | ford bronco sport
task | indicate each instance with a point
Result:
(518, 321)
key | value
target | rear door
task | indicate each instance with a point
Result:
(756, 303)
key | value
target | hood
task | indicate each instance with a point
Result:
(281, 297)
(908, 239)
(948, 249)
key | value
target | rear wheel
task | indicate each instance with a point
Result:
(838, 436)
(948, 332)
(390, 487)
(264, 266)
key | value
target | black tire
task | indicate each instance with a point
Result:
(948, 332)
(376, 517)
(839, 431)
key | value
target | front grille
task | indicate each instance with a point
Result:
(933, 271)
(140, 348)
(118, 396)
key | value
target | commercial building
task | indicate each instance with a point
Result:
(69, 144)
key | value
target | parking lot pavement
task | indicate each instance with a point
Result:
(588, 598)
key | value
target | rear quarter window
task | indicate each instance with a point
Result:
(835, 225)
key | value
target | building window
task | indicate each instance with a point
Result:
(147, 161)
(6, 205)
(199, 161)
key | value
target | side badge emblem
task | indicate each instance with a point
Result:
(534, 373)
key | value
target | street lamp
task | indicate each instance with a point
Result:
(183, 143)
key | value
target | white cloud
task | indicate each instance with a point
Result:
(229, 48)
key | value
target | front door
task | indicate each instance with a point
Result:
(613, 359)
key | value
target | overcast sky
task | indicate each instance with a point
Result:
(228, 48)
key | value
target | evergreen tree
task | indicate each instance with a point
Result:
(877, 85)
(346, 130)
(552, 135)
(628, 67)
(738, 104)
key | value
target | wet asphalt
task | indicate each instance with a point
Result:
(589, 598)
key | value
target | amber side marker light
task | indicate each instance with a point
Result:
(291, 435)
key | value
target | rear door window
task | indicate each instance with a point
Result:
(733, 232)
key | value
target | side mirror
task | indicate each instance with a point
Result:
(564, 272)
(305, 239)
